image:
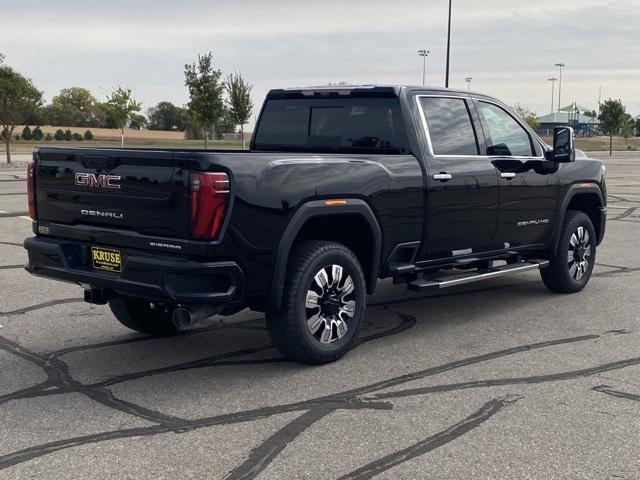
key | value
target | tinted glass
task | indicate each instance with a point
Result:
(334, 123)
(507, 137)
(450, 126)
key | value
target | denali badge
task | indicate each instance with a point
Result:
(97, 181)
(98, 213)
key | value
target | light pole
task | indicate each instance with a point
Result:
(468, 80)
(424, 54)
(553, 90)
(446, 78)
(561, 65)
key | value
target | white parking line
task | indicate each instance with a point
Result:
(26, 218)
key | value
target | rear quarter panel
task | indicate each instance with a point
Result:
(267, 188)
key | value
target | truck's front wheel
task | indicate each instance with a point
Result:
(138, 315)
(570, 270)
(323, 305)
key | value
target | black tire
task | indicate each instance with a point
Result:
(292, 328)
(138, 315)
(567, 275)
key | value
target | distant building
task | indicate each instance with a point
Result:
(583, 124)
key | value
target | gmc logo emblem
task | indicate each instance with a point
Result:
(97, 181)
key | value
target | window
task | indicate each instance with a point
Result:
(450, 126)
(342, 124)
(506, 137)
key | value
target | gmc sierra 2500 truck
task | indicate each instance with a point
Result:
(341, 186)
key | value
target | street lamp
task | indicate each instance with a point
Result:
(561, 65)
(446, 78)
(424, 54)
(553, 90)
(468, 80)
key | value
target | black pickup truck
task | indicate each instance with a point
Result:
(341, 186)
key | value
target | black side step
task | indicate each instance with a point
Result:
(453, 280)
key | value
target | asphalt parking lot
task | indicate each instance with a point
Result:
(498, 380)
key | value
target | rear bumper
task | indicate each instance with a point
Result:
(163, 278)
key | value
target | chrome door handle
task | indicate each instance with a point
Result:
(508, 175)
(443, 177)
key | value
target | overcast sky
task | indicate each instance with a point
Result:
(509, 47)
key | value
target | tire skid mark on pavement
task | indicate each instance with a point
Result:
(342, 400)
(618, 270)
(11, 244)
(616, 393)
(10, 267)
(13, 214)
(58, 376)
(620, 198)
(262, 456)
(31, 308)
(621, 216)
(62, 382)
(474, 420)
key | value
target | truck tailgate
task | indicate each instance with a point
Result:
(139, 191)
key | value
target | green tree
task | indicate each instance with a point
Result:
(37, 134)
(166, 116)
(226, 123)
(19, 99)
(74, 107)
(637, 122)
(628, 129)
(121, 106)
(88, 135)
(205, 92)
(26, 133)
(59, 135)
(612, 116)
(68, 135)
(138, 122)
(240, 103)
(528, 116)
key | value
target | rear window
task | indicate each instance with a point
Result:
(351, 124)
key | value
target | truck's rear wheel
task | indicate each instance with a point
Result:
(571, 268)
(138, 315)
(323, 305)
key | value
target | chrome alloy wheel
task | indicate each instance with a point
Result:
(579, 253)
(328, 304)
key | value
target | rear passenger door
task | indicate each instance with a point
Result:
(462, 192)
(528, 182)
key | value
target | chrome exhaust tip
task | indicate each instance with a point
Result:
(183, 317)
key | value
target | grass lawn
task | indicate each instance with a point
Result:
(107, 137)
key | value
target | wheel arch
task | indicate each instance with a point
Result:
(585, 198)
(310, 218)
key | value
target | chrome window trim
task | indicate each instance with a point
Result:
(427, 133)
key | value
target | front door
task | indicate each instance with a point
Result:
(528, 182)
(462, 192)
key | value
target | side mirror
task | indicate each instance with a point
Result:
(564, 149)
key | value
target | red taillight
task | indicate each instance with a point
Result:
(208, 202)
(30, 190)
